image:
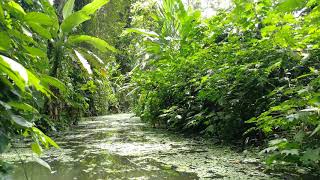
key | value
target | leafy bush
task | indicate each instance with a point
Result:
(253, 69)
(36, 49)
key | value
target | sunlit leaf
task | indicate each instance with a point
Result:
(48, 80)
(40, 30)
(316, 130)
(141, 31)
(73, 21)
(291, 5)
(1, 13)
(39, 18)
(93, 6)
(68, 8)
(15, 66)
(83, 61)
(16, 7)
(51, 142)
(290, 152)
(5, 42)
(35, 51)
(21, 121)
(22, 106)
(96, 42)
(36, 148)
(42, 162)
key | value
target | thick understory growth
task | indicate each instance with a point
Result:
(249, 73)
(47, 69)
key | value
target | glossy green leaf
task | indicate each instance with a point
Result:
(23, 106)
(142, 32)
(36, 83)
(5, 105)
(39, 18)
(16, 7)
(95, 42)
(21, 121)
(92, 7)
(73, 21)
(35, 51)
(36, 148)
(15, 67)
(291, 5)
(68, 8)
(45, 33)
(42, 163)
(316, 130)
(5, 42)
(48, 80)
(50, 10)
(51, 142)
(1, 13)
(85, 64)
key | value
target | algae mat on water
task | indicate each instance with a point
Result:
(122, 147)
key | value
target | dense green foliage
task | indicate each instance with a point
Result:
(38, 46)
(252, 70)
(108, 24)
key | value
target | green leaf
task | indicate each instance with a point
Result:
(92, 58)
(35, 82)
(36, 148)
(5, 105)
(39, 18)
(21, 36)
(83, 61)
(315, 100)
(141, 31)
(94, 6)
(51, 142)
(290, 152)
(35, 51)
(22, 106)
(4, 143)
(16, 8)
(96, 42)
(68, 8)
(20, 75)
(291, 5)
(311, 155)
(73, 21)
(45, 33)
(277, 142)
(21, 121)
(50, 10)
(316, 130)
(48, 80)
(5, 42)
(42, 162)
(17, 68)
(1, 13)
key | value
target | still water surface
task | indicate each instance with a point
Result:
(122, 147)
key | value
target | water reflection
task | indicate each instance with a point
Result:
(121, 147)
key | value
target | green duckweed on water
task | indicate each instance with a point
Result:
(122, 147)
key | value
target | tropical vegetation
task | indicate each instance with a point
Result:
(247, 75)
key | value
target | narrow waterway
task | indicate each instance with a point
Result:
(122, 147)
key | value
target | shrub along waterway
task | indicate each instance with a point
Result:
(122, 147)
